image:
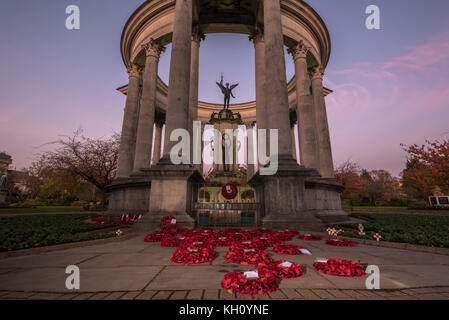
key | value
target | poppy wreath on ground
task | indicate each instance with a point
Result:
(247, 256)
(269, 241)
(100, 220)
(260, 232)
(168, 223)
(237, 282)
(222, 241)
(248, 244)
(309, 237)
(284, 235)
(283, 269)
(338, 267)
(194, 243)
(128, 218)
(155, 236)
(170, 240)
(193, 255)
(341, 242)
(291, 249)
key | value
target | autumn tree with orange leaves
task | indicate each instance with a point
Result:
(427, 167)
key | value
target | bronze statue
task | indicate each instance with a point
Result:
(227, 91)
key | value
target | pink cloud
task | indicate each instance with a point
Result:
(376, 106)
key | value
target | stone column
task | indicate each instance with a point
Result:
(174, 186)
(197, 36)
(157, 143)
(179, 83)
(144, 139)
(276, 93)
(326, 167)
(305, 109)
(259, 48)
(283, 194)
(128, 137)
(249, 166)
(292, 130)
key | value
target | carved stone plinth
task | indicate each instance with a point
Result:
(172, 190)
(283, 197)
(128, 195)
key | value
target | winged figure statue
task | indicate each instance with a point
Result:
(227, 91)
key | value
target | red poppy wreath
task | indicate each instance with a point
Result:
(155, 236)
(283, 269)
(222, 241)
(247, 256)
(250, 282)
(168, 223)
(309, 237)
(170, 240)
(248, 244)
(229, 191)
(193, 255)
(338, 267)
(291, 249)
(341, 242)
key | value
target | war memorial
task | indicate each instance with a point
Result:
(302, 193)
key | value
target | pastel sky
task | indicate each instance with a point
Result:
(391, 86)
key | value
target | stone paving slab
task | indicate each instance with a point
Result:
(133, 269)
(195, 294)
(285, 294)
(180, 277)
(101, 279)
(179, 295)
(146, 295)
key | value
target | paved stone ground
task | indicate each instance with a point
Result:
(133, 269)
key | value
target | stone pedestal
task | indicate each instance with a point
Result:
(172, 191)
(283, 197)
(323, 199)
(128, 195)
(297, 197)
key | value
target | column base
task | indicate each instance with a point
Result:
(128, 195)
(323, 198)
(172, 190)
(282, 196)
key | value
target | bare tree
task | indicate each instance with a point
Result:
(92, 160)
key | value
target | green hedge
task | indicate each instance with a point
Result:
(21, 232)
(414, 229)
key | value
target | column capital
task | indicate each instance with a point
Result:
(197, 34)
(153, 48)
(133, 70)
(299, 51)
(257, 35)
(317, 72)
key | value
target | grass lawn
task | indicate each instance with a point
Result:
(390, 209)
(21, 232)
(42, 209)
(428, 230)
